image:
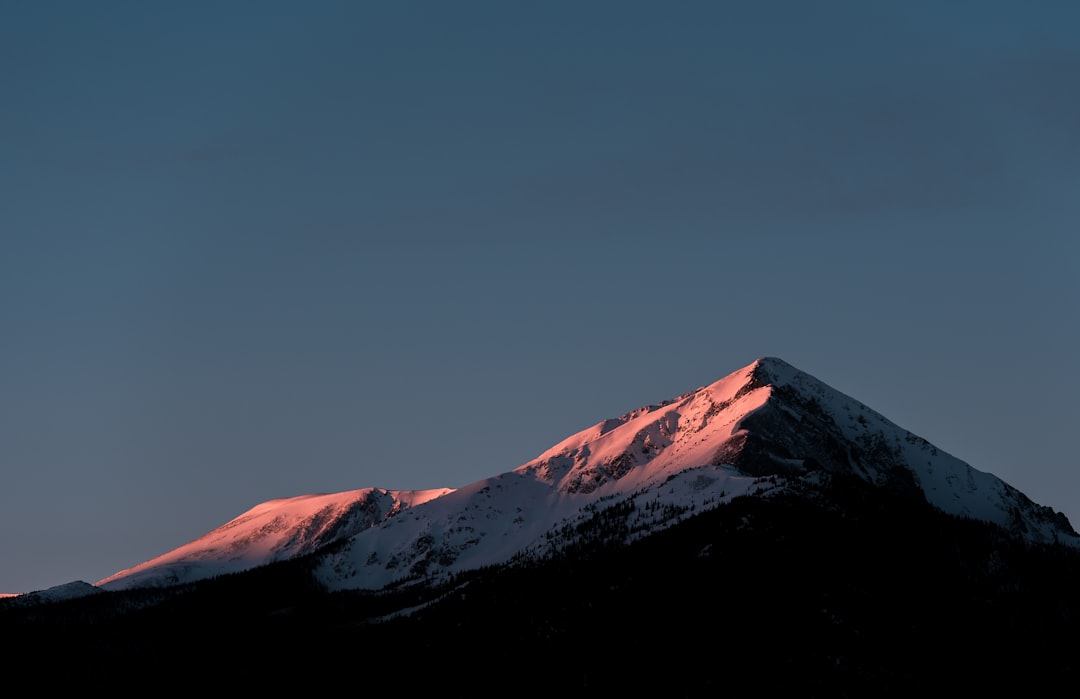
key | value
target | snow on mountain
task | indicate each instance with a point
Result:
(57, 593)
(759, 429)
(272, 531)
(743, 434)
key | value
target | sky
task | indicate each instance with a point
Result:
(264, 249)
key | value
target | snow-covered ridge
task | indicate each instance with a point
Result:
(748, 433)
(272, 531)
(652, 442)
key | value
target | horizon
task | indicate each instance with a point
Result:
(259, 254)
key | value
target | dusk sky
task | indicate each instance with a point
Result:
(258, 250)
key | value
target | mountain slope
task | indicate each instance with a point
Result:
(763, 429)
(272, 531)
(833, 587)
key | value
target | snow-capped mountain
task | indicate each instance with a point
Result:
(764, 428)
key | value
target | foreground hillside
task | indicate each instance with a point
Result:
(850, 590)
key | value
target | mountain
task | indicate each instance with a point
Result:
(765, 429)
(762, 535)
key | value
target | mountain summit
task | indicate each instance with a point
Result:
(763, 429)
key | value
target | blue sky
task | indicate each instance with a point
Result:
(256, 250)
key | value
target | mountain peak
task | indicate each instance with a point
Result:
(773, 371)
(772, 367)
(762, 372)
(769, 361)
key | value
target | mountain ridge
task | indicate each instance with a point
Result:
(274, 530)
(756, 430)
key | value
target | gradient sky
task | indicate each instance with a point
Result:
(257, 250)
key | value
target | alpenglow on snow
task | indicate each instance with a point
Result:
(753, 432)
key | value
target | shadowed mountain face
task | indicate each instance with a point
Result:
(763, 430)
(804, 427)
(833, 587)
